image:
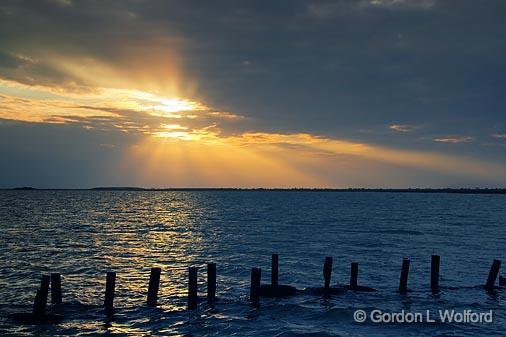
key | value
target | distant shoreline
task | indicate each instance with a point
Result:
(190, 189)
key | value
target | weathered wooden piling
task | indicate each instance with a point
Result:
(403, 282)
(38, 314)
(354, 280)
(434, 273)
(211, 283)
(327, 273)
(502, 281)
(56, 295)
(110, 284)
(154, 285)
(274, 289)
(492, 275)
(354, 275)
(274, 270)
(254, 293)
(192, 288)
(39, 305)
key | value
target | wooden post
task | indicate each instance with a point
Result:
(434, 273)
(211, 283)
(39, 305)
(327, 272)
(192, 288)
(502, 281)
(56, 296)
(254, 294)
(154, 285)
(274, 270)
(110, 284)
(492, 275)
(403, 283)
(354, 275)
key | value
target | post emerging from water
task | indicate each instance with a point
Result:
(154, 285)
(56, 295)
(110, 284)
(434, 273)
(192, 288)
(327, 273)
(354, 275)
(39, 305)
(502, 281)
(274, 270)
(403, 282)
(211, 283)
(254, 293)
(492, 275)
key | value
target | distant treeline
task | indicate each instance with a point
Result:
(390, 190)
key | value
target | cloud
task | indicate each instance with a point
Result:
(40, 73)
(8, 61)
(333, 9)
(115, 109)
(403, 127)
(454, 139)
(85, 46)
(424, 4)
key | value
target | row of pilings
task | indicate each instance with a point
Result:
(257, 290)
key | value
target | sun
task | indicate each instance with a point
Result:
(166, 106)
(171, 105)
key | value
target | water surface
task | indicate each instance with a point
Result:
(84, 234)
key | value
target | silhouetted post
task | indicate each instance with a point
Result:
(56, 296)
(254, 293)
(403, 283)
(192, 288)
(274, 270)
(110, 284)
(154, 285)
(327, 272)
(39, 305)
(434, 273)
(502, 281)
(354, 275)
(211, 283)
(492, 275)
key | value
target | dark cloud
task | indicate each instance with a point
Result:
(49, 155)
(348, 64)
(8, 61)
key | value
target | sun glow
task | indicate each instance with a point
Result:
(203, 157)
(181, 158)
(172, 107)
(38, 104)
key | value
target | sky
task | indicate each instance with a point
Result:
(364, 93)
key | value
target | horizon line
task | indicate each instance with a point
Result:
(463, 190)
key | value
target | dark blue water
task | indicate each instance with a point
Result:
(84, 234)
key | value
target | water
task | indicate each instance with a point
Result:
(84, 234)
